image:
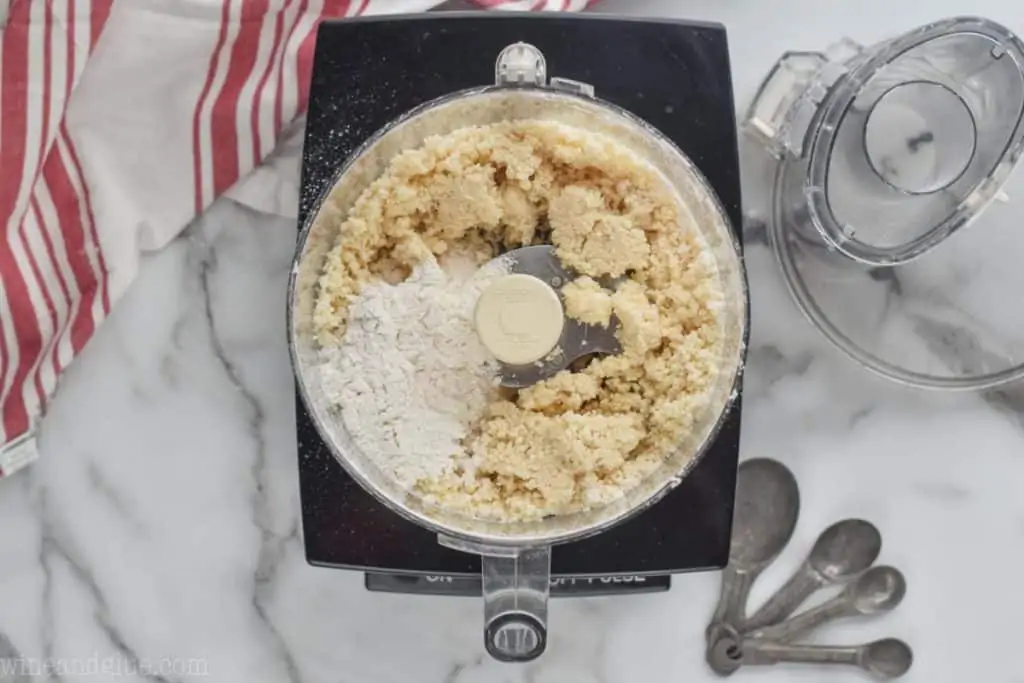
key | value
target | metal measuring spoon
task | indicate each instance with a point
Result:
(766, 510)
(577, 339)
(879, 589)
(841, 552)
(883, 659)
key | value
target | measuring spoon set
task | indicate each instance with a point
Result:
(767, 507)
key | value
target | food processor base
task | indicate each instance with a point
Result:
(675, 76)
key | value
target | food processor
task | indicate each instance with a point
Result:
(893, 214)
(359, 119)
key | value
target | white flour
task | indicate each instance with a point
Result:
(410, 375)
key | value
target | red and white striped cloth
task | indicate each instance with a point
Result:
(120, 121)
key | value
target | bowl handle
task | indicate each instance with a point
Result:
(516, 585)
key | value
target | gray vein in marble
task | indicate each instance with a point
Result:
(139, 393)
(271, 546)
(773, 366)
(47, 626)
(170, 369)
(860, 415)
(131, 371)
(272, 550)
(942, 492)
(275, 548)
(960, 348)
(461, 667)
(122, 647)
(954, 345)
(1009, 401)
(7, 649)
(453, 674)
(10, 655)
(893, 289)
(291, 665)
(55, 546)
(255, 417)
(109, 493)
(889, 277)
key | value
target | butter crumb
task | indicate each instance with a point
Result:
(587, 301)
(592, 239)
(640, 324)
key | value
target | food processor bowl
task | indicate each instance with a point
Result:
(516, 556)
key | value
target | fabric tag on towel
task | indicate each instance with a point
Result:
(18, 453)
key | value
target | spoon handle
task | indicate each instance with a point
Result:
(798, 588)
(759, 652)
(736, 585)
(805, 622)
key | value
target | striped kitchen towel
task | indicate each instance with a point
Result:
(120, 121)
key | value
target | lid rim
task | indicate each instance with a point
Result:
(780, 240)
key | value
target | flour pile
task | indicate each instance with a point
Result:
(411, 376)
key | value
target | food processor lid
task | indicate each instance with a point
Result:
(881, 155)
(904, 142)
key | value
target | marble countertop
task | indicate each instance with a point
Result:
(161, 527)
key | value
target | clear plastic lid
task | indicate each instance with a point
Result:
(884, 154)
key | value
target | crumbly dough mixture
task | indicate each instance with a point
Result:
(582, 437)
(587, 301)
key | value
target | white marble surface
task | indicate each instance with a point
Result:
(162, 523)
